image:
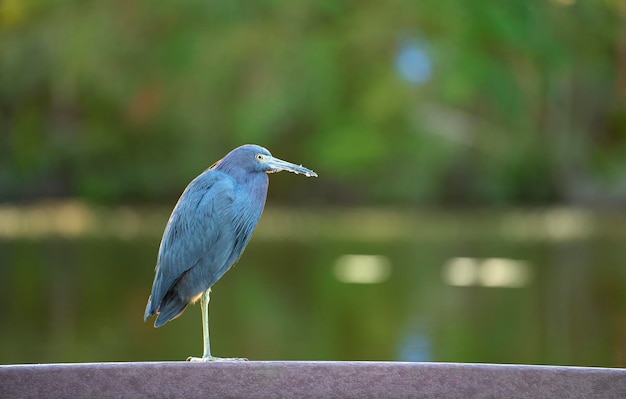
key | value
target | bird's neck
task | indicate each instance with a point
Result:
(254, 185)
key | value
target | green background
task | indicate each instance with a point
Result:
(439, 130)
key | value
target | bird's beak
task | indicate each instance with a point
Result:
(276, 165)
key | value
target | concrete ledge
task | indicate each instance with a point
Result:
(308, 380)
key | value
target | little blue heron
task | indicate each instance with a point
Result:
(208, 230)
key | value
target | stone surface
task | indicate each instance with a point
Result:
(308, 380)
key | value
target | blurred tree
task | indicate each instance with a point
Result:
(410, 102)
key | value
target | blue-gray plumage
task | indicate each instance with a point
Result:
(208, 230)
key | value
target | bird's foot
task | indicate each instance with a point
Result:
(206, 359)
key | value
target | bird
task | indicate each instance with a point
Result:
(207, 232)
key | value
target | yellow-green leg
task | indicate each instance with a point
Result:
(206, 356)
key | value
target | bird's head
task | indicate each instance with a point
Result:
(256, 159)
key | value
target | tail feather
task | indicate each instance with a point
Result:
(170, 309)
(167, 307)
(150, 309)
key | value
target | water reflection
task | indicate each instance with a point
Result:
(416, 347)
(362, 269)
(490, 272)
(77, 292)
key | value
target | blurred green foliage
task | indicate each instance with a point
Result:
(128, 100)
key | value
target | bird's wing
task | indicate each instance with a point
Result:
(199, 231)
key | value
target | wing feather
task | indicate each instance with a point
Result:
(197, 243)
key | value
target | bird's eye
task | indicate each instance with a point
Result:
(260, 157)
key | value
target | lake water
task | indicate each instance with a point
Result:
(539, 287)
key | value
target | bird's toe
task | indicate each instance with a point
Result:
(215, 359)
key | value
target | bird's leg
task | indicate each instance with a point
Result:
(204, 307)
(206, 356)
